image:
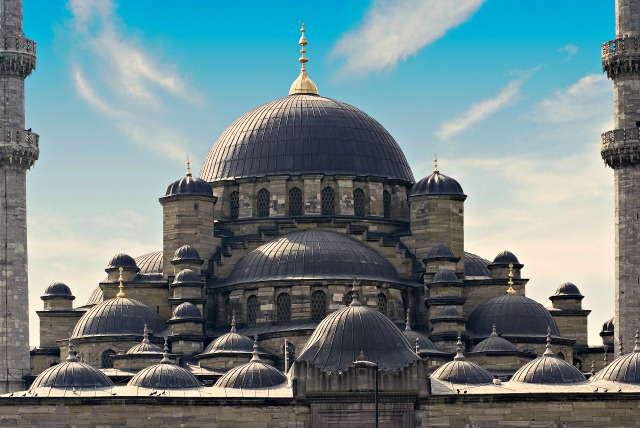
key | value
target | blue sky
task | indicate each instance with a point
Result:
(509, 94)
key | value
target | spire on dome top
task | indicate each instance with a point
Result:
(494, 331)
(407, 325)
(188, 167)
(145, 334)
(255, 356)
(637, 347)
(459, 356)
(435, 164)
(72, 353)
(303, 85)
(355, 298)
(165, 355)
(121, 294)
(548, 352)
(510, 290)
(233, 321)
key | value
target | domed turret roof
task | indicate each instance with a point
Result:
(567, 290)
(318, 254)
(189, 185)
(441, 252)
(122, 260)
(514, 315)
(146, 347)
(338, 340)
(608, 326)
(462, 371)
(116, 317)
(625, 368)
(437, 184)
(505, 257)
(252, 375)
(449, 312)
(187, 253)
(445, 276)
(58, 289)
(548, 369)
(187, 277)
(305, 134)
(164, 376)
(186, 312)
(495, 344)
(72, 374)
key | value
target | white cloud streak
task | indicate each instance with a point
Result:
(571, 51)
(481, 110)
(392, 31)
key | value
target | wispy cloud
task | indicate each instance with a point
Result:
(570, 49)
(115, 75)
(481, 110)
(588, 98)
(392, 31)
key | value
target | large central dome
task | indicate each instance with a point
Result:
(305, 134)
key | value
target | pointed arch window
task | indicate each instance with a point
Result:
(358, 202)
(382, 303)
(234, 205)
(263, 202)
(107, 358)
(386, 204)
(283, 308)
(252, 310)
(295, 201)
(318, 305)
(328, 201)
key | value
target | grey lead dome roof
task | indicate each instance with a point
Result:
(189, 185)
(164, 376)
(437, 184)
(252, 375)
(548, 370)
(305, 134)
(625, 368)
(72, 374)
(312, 254)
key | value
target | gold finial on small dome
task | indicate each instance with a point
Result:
(510, 290)
(303, 85)
(188, 167)
(121, 294)
(435, 164)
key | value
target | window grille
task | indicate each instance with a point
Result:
(252, 310)
(328, 201)
(386, 204)
(348, 298)
(107, 358)
(263, 202)
(283, 308)
(234, 205)
(382, 303)
(358, 202)
(295, 201)
(318, 305)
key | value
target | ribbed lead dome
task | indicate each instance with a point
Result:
(312, 254)
(548, 370)
(164, 376)
(252, 375)
(437, 184)
(305, 134)
(72, 374)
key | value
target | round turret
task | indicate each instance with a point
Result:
(186, 254)
(187, 312)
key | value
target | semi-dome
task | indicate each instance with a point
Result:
(476, 266)
(495, 344)
(461, 371)
(305, 134)
(514, 315)
(547, 369)
(625, 368)
(189, 185)
(187, 253)
(58, 289)
(252, 375)
(185, 312)
(445, 276)
(338, 340)
(187, 277)
(567, 290)
(150, 262)
(72, 374)
(312, 254)
(117, 317)
(122, 260)
(437, 184)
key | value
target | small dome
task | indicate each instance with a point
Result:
(116, 317)
(445, 276)
(425, 344)
(96, 296)
(150, 262)
(514, 315)
(164, 376)
(252, 375)
(462, 371)
(146, 347)
(625, 368)
(338, 340)
(608, 326)
(58, 289)
(72, 374)
(231, 342)
(449, 312)
(548, 370)
(567, 289)
(187, 277)
(187, 253)
(440, 252)
(186, 311)
(122, 260)
(495, 344)
(506, 257)
(476, 266)
(437, 184)
(189, 185)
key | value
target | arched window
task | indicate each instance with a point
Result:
(228, 310)
(386, 204)
(283, 308)
(234, 205)
(295, 201)
(348, 298)
(382, 303)
(560, 356)
(252, 310)
(318, 305)
(358, 202)
(328, 201)
(107, 358)
(263, 202)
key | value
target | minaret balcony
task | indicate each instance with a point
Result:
(17, 55)
(621, 56)
(621, 147)
(19, 146)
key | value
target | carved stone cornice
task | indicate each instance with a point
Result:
(621, 147)
(17, 55)
(621, 57)
(19, 147)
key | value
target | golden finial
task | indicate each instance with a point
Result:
(121, 294)
(511, 290)
(435, 164)
(303, 85)
(188, 167)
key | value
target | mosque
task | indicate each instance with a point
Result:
(307, 278)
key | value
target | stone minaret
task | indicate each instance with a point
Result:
(18, 152)
(621, 151)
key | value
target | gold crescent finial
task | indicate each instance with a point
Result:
(121, 294)
(188, 167)
(510, 290)
(303, 85)
(435, 164)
